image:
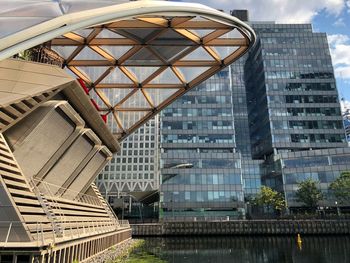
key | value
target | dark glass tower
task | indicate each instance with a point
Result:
(295, 121)
(198, 129)
(250, 168)
(292, 97)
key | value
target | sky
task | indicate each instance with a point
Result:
(329, 16)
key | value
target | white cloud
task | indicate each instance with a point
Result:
(348, 6)
(342, 72)
(337, 39)
(344, 105)
(295, 11)
(340, 51)
(339, 22)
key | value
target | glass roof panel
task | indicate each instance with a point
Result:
(106, 33)
(169, 52)
(138, 33)
(232, 34)
(129, 118)
(141, 73)
(137, 100)
(170, 37)
(167, 76)
(92, 72)
(116, 51)
(198, 54)
(64, 51)
(88, 54)
(115, 95)
(116, 76)
(104, 98)
(225, 51)
(98, 100)
(190, 73)
(143, 57)
(201, 32)
(83, 32)
(199, 18)
(112, 123)
(160, 95)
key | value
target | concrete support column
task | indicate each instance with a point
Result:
(46, 168)
(81, 166)
(87, 185)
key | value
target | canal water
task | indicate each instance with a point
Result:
(327, 249)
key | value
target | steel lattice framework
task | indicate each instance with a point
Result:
(138, 66)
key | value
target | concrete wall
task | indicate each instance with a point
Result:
(90, 170)
(52, 145)
(8, 215)
(35, 140)
(244, 227)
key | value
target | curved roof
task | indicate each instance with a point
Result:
(138, 57)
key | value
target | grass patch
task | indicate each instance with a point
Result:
(137, 254)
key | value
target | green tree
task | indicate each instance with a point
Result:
(309, 193)
(341, 187)
(26, 54)
(270, 198)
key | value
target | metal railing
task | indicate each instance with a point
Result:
(41, 54)
(124, 223)
(55, 191)
(199, 218)
(11, 232)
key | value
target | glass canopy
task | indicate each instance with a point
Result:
(16, 15)
(136, 67)
(135, 58)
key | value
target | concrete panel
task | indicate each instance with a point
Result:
(38, 137)
(69, 161)
(9, 214)
(89, 171)
(22, 79)
(90, 191)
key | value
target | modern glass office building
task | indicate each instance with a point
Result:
(198, 129)
(290, 168)
(135, 170)
(292, 97)
(244, 127)
(295, 120)
(251, 173)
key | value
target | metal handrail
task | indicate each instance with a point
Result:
(46, 237)
(124, 223)
(76, 196)
(9, 227)
(41, 198)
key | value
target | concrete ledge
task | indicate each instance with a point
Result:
(244, 227)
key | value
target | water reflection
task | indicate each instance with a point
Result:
(250, 249)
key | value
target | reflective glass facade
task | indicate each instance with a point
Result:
(295, 120)
(272, 118)
(291, 168)
(198, 129)
(250, 168)
(292, 97)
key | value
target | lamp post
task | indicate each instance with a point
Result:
(122, 195)
(337, 207)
